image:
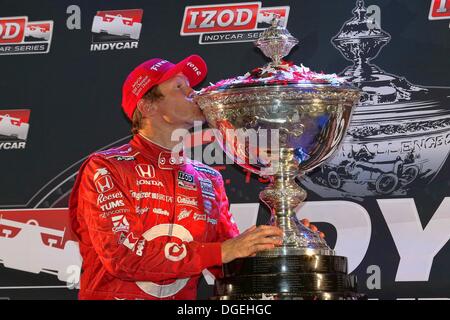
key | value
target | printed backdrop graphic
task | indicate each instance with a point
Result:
(383, 199)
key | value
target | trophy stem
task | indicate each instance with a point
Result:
(283, 196)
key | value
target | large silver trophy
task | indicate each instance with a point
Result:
(309, 114)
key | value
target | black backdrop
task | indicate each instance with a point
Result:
(74, 94)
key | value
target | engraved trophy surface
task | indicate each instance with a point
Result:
(309, 114)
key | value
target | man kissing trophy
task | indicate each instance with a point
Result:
(309, 113)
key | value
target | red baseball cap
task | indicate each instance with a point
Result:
(155, 71)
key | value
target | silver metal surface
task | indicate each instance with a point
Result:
(309, 121)
(276, 42)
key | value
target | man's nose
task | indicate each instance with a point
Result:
(191, 93)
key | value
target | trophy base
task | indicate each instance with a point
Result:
(289, 277)
(292, 251)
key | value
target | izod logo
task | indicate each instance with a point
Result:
(12, 30)
(233, 22)
(20, 36)
(215, 18)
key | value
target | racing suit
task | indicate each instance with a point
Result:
(148, 223)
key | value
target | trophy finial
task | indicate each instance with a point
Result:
(276, 42)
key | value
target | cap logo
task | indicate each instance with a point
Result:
(157, 65)
(140, 83)
(194, 68)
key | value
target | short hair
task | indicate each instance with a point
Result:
(152, 95)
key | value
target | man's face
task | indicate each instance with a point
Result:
(177, 106)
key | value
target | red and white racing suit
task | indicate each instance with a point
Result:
(148, 223)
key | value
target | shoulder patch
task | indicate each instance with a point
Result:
(123, 158)
(203, 168)
(123, 151)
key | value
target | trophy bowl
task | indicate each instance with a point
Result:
(279, 121)
(280, 131)
(310, 122)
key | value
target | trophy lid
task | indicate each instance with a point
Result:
(286, 73)
(276, 42)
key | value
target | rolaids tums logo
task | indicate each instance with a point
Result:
(116, 29)
(227, 23)
(20, 36)
(440, 9)
(14, 125)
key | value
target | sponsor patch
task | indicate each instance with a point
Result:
(103, 198)
(198, 216)
(205, 170)
(207, 188)
(186, 181)
(146, 171)
(212, 221)
(140, 248)
(184, 214)
(114, 212)
(189, 201)
(151, 195)
(130, 240)
(175, 252)
(103, 181)
(120, 224)
(112, 205)
(161, 211)
(140, 211)
(155, 183)
(207, 204)
(125, 158)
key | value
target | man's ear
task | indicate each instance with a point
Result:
(146, 108)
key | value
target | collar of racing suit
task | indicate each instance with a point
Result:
(166, 158)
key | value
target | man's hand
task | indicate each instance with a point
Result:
(256, 239)
(251, 241)
(313, 228)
